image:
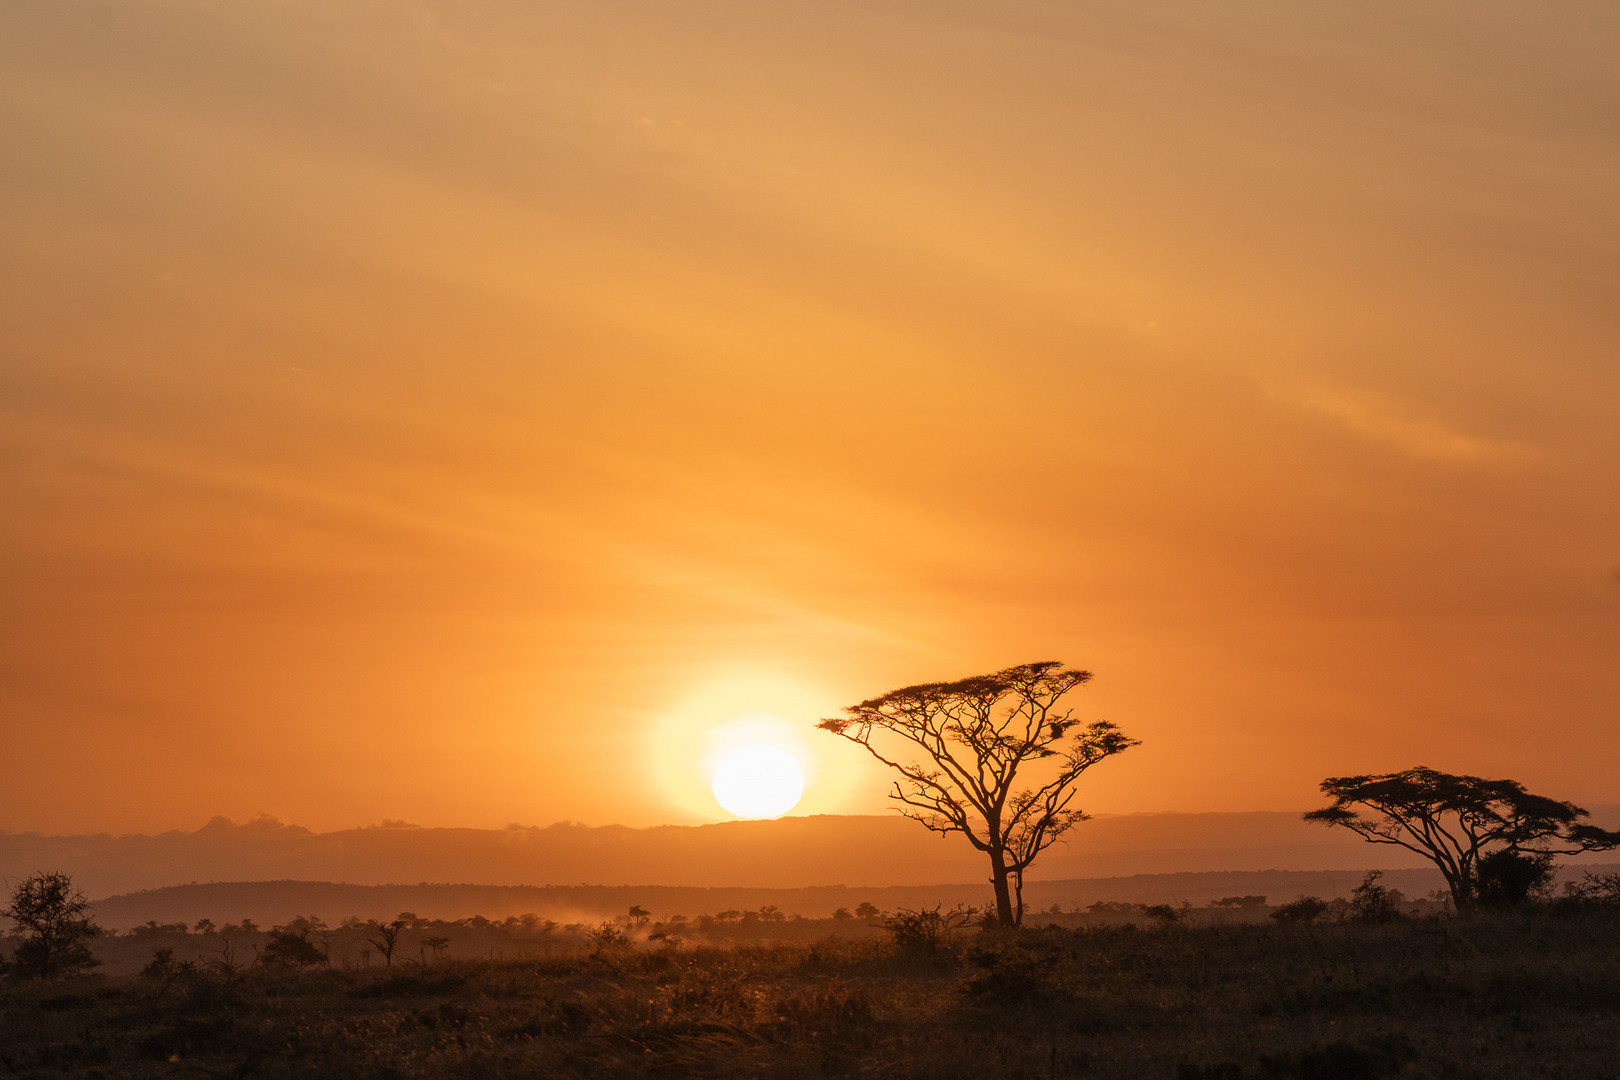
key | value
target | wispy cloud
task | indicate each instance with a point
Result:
(1398, 424)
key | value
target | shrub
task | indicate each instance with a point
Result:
(54, 917)
(1018, 973)
(162, 965)
(666, 937)
(927, 930)
(290, 947)
(607, 938)
(1304, 909)
(1510, 878)
(1594, 888)
(1113, 907)
(1165, 913)
(1371, 902)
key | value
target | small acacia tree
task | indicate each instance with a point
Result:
(977, 737)
(53, 916)
(1459, 822)
(289, 948)
(384, 936)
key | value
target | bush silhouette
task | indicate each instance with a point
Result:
(1510, 878)
(1371, 902)
(1304, 909)
(290, 947)
(53, 916)
(927, 930)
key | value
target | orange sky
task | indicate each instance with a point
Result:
(466, 413)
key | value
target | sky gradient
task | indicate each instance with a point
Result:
(475, 413)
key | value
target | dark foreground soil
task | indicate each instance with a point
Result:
(1510, 996)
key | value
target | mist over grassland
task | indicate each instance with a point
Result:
(273, 902)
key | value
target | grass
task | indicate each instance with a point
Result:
(1510, 996)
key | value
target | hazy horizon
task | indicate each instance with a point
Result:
(785, 853)
(1600, 812)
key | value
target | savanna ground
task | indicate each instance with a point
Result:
(1513, 994)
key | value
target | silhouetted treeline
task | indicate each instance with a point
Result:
(357, 942)
(1369, 990)
(278, 901)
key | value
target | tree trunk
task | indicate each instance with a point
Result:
(998, 879)
(1460, 883)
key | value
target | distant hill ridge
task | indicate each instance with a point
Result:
(787, 853)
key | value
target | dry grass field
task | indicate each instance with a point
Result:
(1498, 995)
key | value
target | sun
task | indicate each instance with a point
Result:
(758, 782)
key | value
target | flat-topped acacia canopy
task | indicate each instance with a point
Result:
(977, 735)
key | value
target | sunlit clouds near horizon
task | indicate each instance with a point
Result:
(470, 413)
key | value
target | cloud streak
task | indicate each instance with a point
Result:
(1395, 424)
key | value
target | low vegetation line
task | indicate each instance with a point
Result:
(1359, 989)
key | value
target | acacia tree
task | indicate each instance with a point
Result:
(289, 946)
(54, 916)
(1458, 822)
(384, 936)
(980, 739)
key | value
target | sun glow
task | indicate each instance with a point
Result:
(758, 782)
(729, 711)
